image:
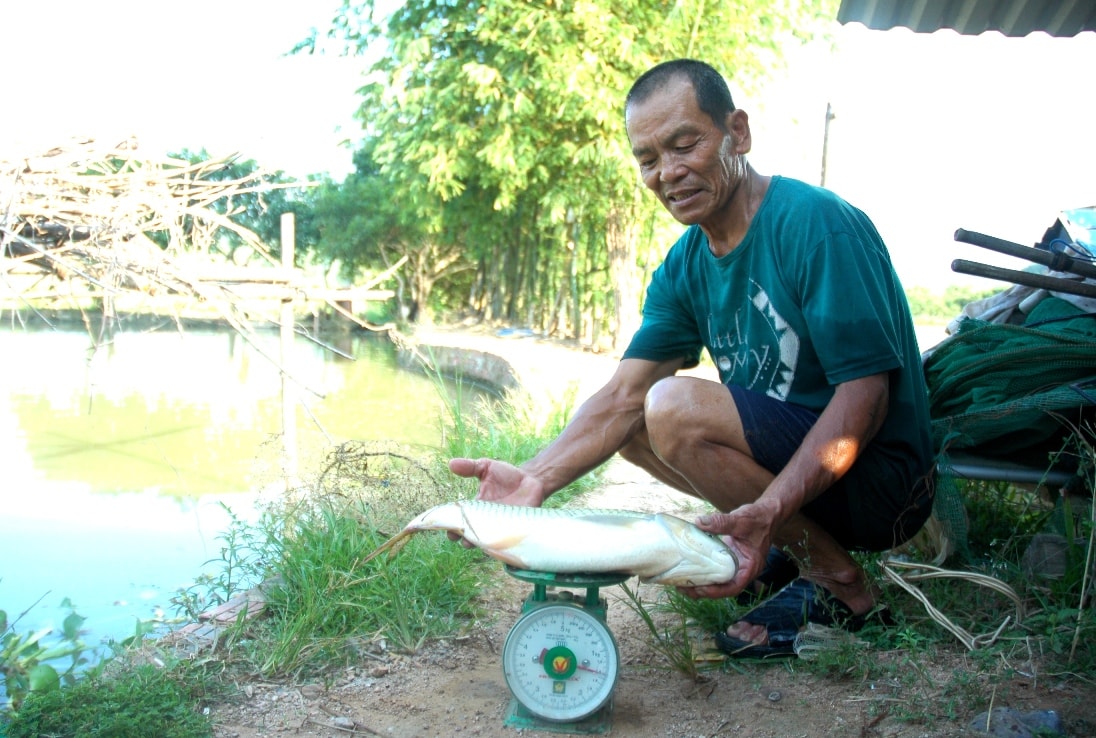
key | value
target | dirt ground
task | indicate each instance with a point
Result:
(456, 687)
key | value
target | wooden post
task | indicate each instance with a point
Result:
(286, 318)
(826, 142)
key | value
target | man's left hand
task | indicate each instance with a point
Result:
(747, 531)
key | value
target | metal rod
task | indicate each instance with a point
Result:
(1057, 262)
(1053, 284)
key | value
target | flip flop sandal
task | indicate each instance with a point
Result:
(780, 570)
(786, 612)
(778, 646)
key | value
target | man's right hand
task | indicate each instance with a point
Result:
(500, 482)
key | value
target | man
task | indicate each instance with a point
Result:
(817, 442)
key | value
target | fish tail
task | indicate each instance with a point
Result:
(392, 545)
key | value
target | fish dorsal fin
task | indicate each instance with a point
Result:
(672, 521)
(606, 517)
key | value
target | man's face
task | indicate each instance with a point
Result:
(684, 157)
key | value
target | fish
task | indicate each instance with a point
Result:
(657, 547)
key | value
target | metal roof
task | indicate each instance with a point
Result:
(971, 17)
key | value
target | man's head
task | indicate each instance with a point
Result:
(712, 94)
(690, 142)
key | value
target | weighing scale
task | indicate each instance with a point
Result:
(560, 661)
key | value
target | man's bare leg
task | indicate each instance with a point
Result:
(694, 441)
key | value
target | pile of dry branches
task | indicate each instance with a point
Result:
(85, 212)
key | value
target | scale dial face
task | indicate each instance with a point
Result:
(560, 662)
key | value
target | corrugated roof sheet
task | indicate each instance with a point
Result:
(971, 17)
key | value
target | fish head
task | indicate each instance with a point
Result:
(703, 558)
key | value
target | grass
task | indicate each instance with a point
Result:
(141, 701)
(327, 605)
(673, 642)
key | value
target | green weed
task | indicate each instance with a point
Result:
(1003, 517)
(239, 567)
(673, 642)
(25, 659)
(326, 603)
(143, 701)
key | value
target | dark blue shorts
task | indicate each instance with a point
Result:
(876, 506)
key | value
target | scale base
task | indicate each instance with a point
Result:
(519, 717)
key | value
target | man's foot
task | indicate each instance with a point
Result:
(770, 628)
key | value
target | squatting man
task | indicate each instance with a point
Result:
(815, 442)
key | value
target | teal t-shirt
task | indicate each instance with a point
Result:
(807, 301)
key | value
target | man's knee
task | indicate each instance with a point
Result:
(665, 402)
(665, 413)
(682, 412)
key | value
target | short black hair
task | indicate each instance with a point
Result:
(712, 94)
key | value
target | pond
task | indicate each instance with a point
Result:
(116, 465)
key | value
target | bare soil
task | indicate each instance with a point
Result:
(456, 687)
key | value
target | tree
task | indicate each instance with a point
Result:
(366, 224)
(520, 104)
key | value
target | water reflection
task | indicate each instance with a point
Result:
(184, 414)
(115, 462)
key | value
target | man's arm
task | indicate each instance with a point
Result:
(601, 427)
(846, 426)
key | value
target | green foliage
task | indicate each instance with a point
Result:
(358, 219)
(1002, 518)
(25, 658)
(1004, 521)
(240, 561)
(365, 230)
(497, 135)
(467, 87)
(926, 304)
(328, 607)
(144, 701)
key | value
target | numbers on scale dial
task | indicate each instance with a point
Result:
(562, 662)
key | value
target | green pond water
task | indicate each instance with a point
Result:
(116, 464)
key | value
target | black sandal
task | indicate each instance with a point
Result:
(788, 611)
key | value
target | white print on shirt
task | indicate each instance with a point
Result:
(763, 360)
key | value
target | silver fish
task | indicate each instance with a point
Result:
(658, 548)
